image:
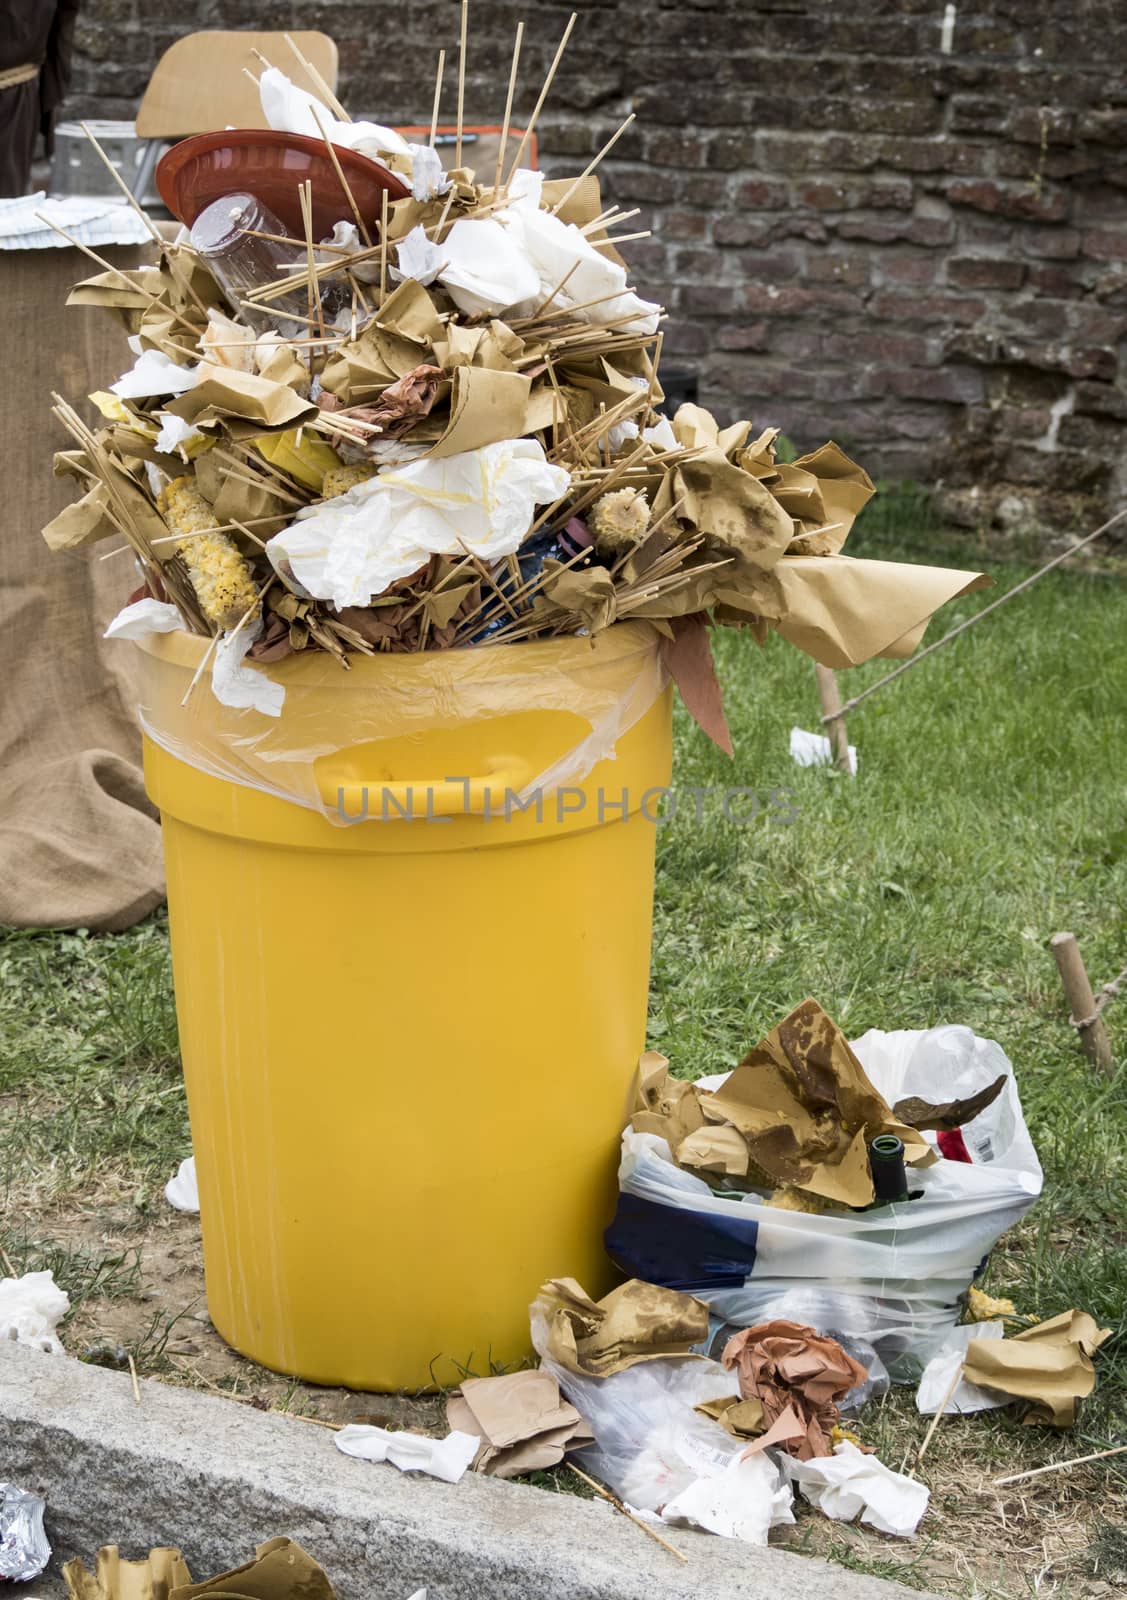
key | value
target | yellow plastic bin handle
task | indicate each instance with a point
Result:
(450, 796)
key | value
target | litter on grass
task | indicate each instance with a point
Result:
(727, 1185)
(815, 750)
(31, 1308)
(182, 1191)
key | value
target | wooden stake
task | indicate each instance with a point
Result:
(461, 82)
(1082, 1002)
(508, 108)
(1061, 1466)
(637, 1521)
(539, 106)
(593, 163)
(830, 696)
(437, 97)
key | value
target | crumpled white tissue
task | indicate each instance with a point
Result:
(849, 1482)
(182, 1191)
(559, 249)
(939, 1374)
(487, 269)
(355, 546)
(660, 435)
(745, 1501)
(242, 687)
(174, 432)
(428, 178)
(142, 617)
(154, 373)
(292, 110)
(440, 1458)
(31, 1308)
(815, 750)
(419, 258)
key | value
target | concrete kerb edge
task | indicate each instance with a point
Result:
(217, 1478)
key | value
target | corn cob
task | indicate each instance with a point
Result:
(221, 578)
(338, 480)
(618, 520)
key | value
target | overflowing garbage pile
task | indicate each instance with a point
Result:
(390, 408)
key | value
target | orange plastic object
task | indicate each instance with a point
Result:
(272, 166)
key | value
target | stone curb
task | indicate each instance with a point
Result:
(217, 1478)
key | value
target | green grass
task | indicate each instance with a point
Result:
(988, 814)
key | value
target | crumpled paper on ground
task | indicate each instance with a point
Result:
(522, 1420)
(24, 1550)
(155, 1577)
(849, 1483)
(635, 1322)
(182, 1191)
(446, 1458)
(744, 1501)
(354, 547)
(815, 750)
(1048, 1365)
(786, 1366)
(939, 1374)
(31, 1308)
(802, 1101)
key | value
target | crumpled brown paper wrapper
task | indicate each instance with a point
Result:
(523, 1421)
(792, 1369)
(636, 1322)
(1049, 1365)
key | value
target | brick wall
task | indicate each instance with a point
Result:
(921, 253)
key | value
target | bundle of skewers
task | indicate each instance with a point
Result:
(396, 408)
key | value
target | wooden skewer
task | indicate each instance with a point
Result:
(593, 163)
(122, 185)
(508, 108)
(622, 238)
(943, 1404)
(539, 106)
(1061, 1466)
(544, 304)
(383, 243)
(437, 97)
(461, 82)
(318, 82)
(609, 218)
(637, 1521)
(133, 1375)
(361, 225)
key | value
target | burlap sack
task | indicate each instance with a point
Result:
(79, 842)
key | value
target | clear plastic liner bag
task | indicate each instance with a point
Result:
(658, 1454)
(539, 715)
(890, 1277)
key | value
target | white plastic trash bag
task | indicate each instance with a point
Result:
(890, 1277)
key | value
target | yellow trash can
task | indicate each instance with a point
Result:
(408, 1039)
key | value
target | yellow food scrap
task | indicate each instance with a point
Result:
(985, 1308)
(341, 479)
(839, 1435)
(219, 572)
(797, 1200)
